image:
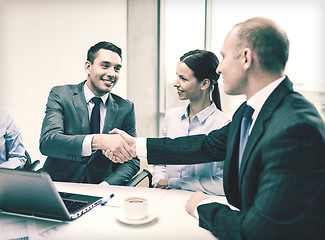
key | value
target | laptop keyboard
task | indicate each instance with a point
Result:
(73, 206)
(65, 195)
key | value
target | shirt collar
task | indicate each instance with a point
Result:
(89, 95)
(201, 116)
(258, 99)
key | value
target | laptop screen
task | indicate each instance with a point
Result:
(34, 193)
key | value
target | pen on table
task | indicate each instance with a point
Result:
(110, 197)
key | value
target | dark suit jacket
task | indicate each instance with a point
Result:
(280, 191)
(64, 128)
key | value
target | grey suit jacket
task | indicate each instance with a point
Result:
(280, 191)
(66, 124)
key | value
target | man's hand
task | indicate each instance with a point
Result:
(194, 201)
(163, 184)
(116, 144)
(131, 141)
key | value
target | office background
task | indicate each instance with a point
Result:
(44, 43)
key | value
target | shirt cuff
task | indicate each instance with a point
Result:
(104, 184)
(205, 201)
(12, 163)
(173, 183)
(141, 147)
(86, 146)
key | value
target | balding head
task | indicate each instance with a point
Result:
(267, 40)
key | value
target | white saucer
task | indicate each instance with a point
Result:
(151, 216)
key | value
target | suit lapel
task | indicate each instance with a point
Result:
(230, 174)
(80, 106)
(264, 116)
(111, 114)
(234, 131)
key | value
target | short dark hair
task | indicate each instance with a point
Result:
(91, 55)
(267, 40)
(204, 64)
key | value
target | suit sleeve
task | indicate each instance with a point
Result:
(127, 170)
(159, 171)
(292, 161)
(54, 142)
(188, 150)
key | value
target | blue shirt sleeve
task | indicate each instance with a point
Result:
(12, 150)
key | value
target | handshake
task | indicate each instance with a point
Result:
(117, 145)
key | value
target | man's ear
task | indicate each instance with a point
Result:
(205, 84)
(87, 67)
(247, 58)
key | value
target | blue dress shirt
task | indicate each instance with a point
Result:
(10, 142)
(205, 177)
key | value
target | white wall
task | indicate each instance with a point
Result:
(303, 22)
(143, 64)
(44, 43)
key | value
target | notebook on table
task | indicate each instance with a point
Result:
(32, 193)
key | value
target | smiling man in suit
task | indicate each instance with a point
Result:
(276, 180)
(78, 118)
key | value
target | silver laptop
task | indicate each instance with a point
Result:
(32, 193)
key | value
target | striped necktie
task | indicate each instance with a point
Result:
(244, 132)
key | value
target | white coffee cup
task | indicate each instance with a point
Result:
(135, 208)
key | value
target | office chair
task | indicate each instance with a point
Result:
(139, 177)
(29, 165)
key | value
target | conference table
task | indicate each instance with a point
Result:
(167, 217)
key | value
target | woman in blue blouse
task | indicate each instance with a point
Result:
(197, 82)
(12, 151)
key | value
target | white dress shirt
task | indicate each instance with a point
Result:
(205, 177)
(86, 145)
(258, 99)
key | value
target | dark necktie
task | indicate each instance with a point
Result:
(95, 116)
(246, 122)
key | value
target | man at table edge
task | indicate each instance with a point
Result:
(275, 187)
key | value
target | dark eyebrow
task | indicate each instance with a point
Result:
(106, 62)
(181, 76)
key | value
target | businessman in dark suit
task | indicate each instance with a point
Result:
(73, 130)
(278, 181)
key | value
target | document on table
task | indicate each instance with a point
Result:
(14, 226)
(121, 194)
